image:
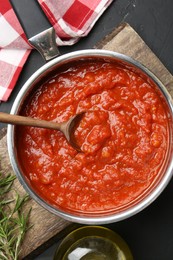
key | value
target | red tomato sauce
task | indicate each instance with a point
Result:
(123, 138)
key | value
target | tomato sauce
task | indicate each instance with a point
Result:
(123, 137)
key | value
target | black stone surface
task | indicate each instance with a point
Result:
(149, 234)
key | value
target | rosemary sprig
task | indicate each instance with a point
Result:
(13, 221)
(5, 183)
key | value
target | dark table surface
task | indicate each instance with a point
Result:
(149, 234)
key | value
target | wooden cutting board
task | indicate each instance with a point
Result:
(46, 225)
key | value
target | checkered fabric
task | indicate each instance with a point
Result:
(14, 49)
(71, 19)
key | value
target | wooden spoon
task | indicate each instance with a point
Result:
(67, 127)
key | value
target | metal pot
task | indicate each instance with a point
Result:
(43, 73)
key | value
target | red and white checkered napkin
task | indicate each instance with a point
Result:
(71, 19)
(14, 49)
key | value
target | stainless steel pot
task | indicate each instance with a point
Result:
(43, 73)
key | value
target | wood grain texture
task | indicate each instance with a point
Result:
(46, 225)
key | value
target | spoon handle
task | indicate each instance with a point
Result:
(28, 121)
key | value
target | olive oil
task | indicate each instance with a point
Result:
(95, 248)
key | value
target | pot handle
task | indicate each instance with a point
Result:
(45, 43)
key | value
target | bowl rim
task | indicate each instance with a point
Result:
(118, 216)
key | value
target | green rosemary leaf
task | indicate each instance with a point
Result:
(6, 183)
(5, 202)
(6, 180)
(2, 256)
(20, 201)
(14, 223)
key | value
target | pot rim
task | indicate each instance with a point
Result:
(76, 217)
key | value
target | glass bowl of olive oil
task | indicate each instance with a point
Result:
(93, 243)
